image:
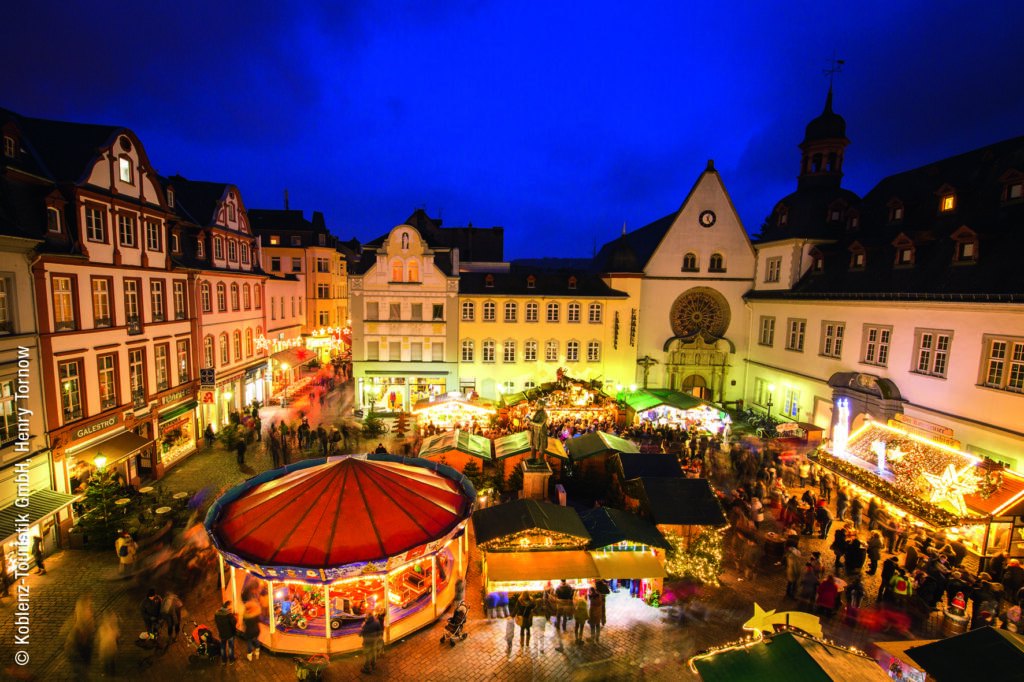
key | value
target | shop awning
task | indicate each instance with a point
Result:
(597, 443)
(41, 504)
(519, 444)
(621, 565)
(114, 449)
(293, 357)
(178, 411)
(456, 441)
(651, 398)
(527, 566)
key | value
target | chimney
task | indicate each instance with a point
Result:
(286, 200)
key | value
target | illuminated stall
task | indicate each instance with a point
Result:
(623, 545)
(591, 450)
(514, 448)
(454, 412)
(682, 411)
(456, 448)
(936, 485)
(322, 543)
(567, 401)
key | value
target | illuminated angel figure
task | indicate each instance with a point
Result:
(951, 485)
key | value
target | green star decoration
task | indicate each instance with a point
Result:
(950, 486)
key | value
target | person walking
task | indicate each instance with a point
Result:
(510, 634)
(37, 555)
(794, 569)
(524, 614)
(151, 608)
(171, 612)
(257, 426)
(78, 646)
(596, 619)
(251, 628)
(224, 619)
(563, 597)
(874, 551)
(240, 451)
(275, 450)
(209, 435)
(580, 613)
(126, 549)
(370, 632)
(106, 642)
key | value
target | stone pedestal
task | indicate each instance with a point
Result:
(535, 479)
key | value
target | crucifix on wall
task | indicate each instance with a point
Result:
(646, 362)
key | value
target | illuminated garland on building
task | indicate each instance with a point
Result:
(757, 638)
(533, 541)
(702, 561)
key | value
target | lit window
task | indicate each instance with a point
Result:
(948, 202)
(594, 313)
(467, 351)
(63, 304)
(933, 352)
(414, 271)
(396, 271)
(1015, 190)
(125, 164)
(530, 351)
(468, 311)
(156, 299)
(275, 239)
(965, 251)
(593, 351)
(204, 294)
(208, 352)
(509, 351)
(511, 310)
(532, 312)
(222, 297)
(572, 351)
(573, 312)
(1005, 366)
(488, 351)
(551, 351)
(906, 256)
(107, 382)
(225, 352)
(876, 345)
(832, 339)
(489, 311)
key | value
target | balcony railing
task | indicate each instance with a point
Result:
(134, 325)
(138, 398)
(72, 414)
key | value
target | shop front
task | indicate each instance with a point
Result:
(386, 390)
(253, 385)
(176, 435)
(446, 412)
(288, 373)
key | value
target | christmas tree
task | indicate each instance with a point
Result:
(515, 479)
(98, 523)
(473, 472)
(701, 561)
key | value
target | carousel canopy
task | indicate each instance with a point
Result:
(979, 654)
(609, 526)
(597, 443)
(682, 502)
(456, 441)
(340, 511)
(522, 515)
(650, 398)
(519, 444)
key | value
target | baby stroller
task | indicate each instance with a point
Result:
(311, 668)
(202, 645)
(453, 631)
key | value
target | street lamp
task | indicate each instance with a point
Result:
(284, 396)
(771, 391)
(100, 461)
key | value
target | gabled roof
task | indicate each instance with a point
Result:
(197, 200)
(609, 526)
(985, 653)
(62, 150)
(515, 517)
(681, 502)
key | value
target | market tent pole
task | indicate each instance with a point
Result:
(433, 584)
(220, 559)
(234, 587)
(387, 608)
(273, 619)
(327, 614)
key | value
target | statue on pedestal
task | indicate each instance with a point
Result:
(538, 426)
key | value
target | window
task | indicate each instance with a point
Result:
(488, 351)
(52, 219)
(244, 253)
(5, 307)
(531, 282)
(690, 262)
(323, 290)
(965, 251)
(183, 362)
(293, 306)
(70, 390)
(416, 351)
(126, 230)
(275, 264)
(761, 392)
(236, 341)
(9, 146)
(248, 342)
(593, 351)
(234, 297)
(552, 312)
(101, 303)
(282, 307)
(572, 282)
(137, 375)
(296, 240)
(218, 248)
(372, 310)
(529, 384)
(509, 351)
(417, 311)
(373, 350)
(551, 351)
(125, 166)
(1004, 368)
(489, 311)
(396, 271)
(895, 213)
(876, 345)
(232, 250)
(170, 197)
(530, 351)
(438, 313)
(275, 239)
(324, 318)
(322, 239)
(152, 236)
(395, 311)
(766, 336)
(257, 294)
(156, 299)
(414, 271)
(231, 213)
(948, 203)
(511, 312)
(774, 270)
(63, 304)
(857, 261)
(905, 256)
(832, 339)
(296, 265)
(225, 351)
(594, 313)
(572, 313)
(489, 281)
(246, 297)
(222, 297)
(932, 352)
(795, 340)
(200, 248)
(8, 415)
(95, 225)
(790, 402)
(572, 351)
(323, 264)
(1013, 190)
(208, 352)
(468, 311)
(160, 363)
(467, 351)
(180, 311)
(717, 263)
(107, 381)
(532, 312)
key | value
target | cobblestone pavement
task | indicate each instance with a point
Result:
(639, 641)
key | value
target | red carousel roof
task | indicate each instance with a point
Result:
(341, 512)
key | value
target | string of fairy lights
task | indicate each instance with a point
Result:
(702, 560)
(757, 637)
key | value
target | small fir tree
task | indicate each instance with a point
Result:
(473, 472)
(515, 479)
(702, 561)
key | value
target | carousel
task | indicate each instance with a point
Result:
(318, 545)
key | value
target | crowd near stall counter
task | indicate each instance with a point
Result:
(446, 412)
(386, 536)
(681, 411)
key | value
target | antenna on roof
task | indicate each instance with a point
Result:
(837, 67)
(286, 200)
(623, 228)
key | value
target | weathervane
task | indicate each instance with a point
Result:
(837, 67)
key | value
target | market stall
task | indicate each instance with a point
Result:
(591, 450)
(674, 410)
(320, 544)
(448, 412)
(456, 448)
(623, 545)
(568, 403)
(512, 449)
(935, 485)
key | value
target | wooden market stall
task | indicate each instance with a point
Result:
(667, 408)
(624, 545)
(984, 654)
(450, 411)
(319, 544)
(590, 451)
(456, 448)
(514, 448)
(627, 468)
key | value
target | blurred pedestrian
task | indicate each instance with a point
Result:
(240, 451)
(107, 637)
(78, 646)
(251, 628)
(510, 634)
(580, 614)
(596, 618)
(126, 549)
(37, 555)
(171, 612)
(370, 632)
(151, 608)
(225, 621)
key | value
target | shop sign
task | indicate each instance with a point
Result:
(207, 377)
(921, 424)
(784, 428)
(94, 427)
(207, 397)
(177, 395)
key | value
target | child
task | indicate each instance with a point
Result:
(510, 634)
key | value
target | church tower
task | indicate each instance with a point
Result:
(821, 160)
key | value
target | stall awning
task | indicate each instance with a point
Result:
(293, 357)
(651, 398)
(506, 567)
(621, 565)
(597, 443)
(114, 449)
(519, 444)
(41, 504)
(456, 441)
(178, 411)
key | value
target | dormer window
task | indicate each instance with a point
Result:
(9, 146)
(200, 248)
(231, 213)
(1014, 190)
(965, 251)
(52, 220)
(857, 256)
(125, 166)
(531, 282)
(275, 239)
(783, 217)
(948, 203)
(819, 263)
(966, 245)
(170, 197)
(834, 215)
(572, 282)
(296, 240)
(489, 281)
(1013, 185)
(175, 243)
(904, 250)
(895, 210)
(858, 260)
(852, 220)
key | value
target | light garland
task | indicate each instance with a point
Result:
(701, 561)
(950, 486)
(758, 638)
(531, 540)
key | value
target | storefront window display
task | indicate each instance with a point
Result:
(177, 438)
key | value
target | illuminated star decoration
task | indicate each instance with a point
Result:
(262, 343)
(950, 486)
(766, 621)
